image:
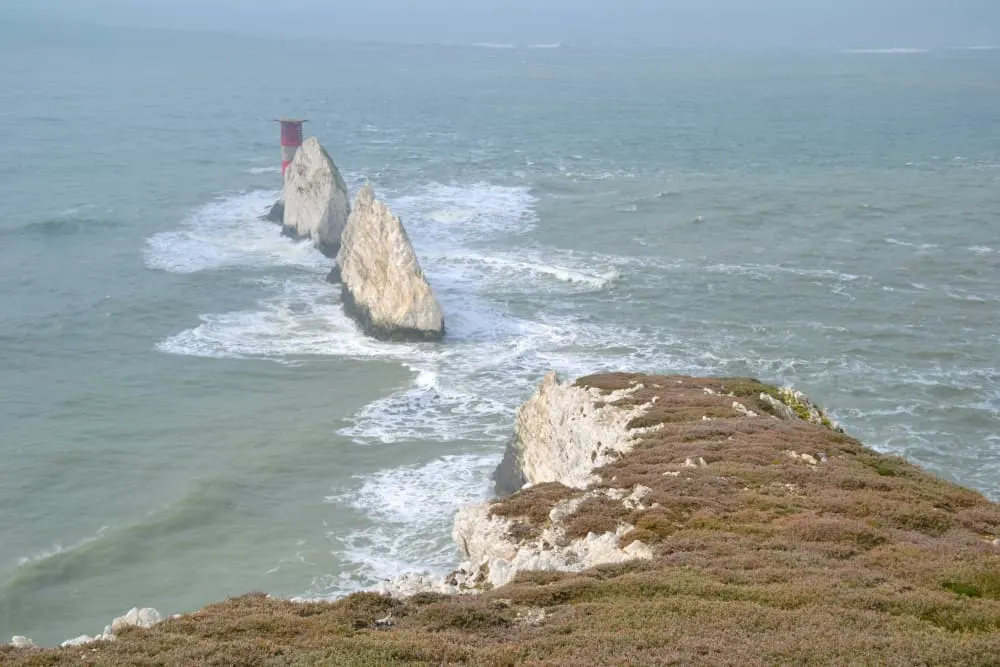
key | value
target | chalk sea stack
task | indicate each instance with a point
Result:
(316, 202)
(383, 286)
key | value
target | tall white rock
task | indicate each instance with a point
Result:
(384, 288)
(561, 434)
(316, 203)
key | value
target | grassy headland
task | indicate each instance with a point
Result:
(776, 542)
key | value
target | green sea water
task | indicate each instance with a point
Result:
(186, 414)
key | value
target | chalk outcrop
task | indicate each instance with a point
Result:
(383, 286)
(561, 434)
(146, 617)
(316, 202)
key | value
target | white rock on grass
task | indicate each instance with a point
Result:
(82, 640)
(146, 617)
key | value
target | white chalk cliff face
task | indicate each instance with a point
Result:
(562, 434)
(384, 288)
(316, 201)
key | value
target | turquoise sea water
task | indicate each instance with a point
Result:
(186, 414)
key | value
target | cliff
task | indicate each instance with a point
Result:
(743, 528)
(316, 202)
(384, 288)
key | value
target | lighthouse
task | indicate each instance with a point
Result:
(291, 139)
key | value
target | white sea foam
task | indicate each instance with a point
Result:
(302, 316)
(411, 509)
(264, 170)
(909, 244)
(768, 271)
(228, 232)
(452, 212)
(534, 265)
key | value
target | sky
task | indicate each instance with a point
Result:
(839, 24)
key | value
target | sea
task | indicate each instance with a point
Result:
(186, 414)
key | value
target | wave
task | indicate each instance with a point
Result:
(115, 549)
(66, 224)
(225, 233)
(910, 244)
(410, 510)
(886, 51)
(58, 550)
(493, 45)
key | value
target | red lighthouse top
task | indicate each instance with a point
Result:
(291, 139)
(291, 131)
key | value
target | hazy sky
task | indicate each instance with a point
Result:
(670, 23)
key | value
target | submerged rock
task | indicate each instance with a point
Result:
(384, 288)
(316, 204)
(276, 213)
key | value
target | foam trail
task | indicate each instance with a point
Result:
(228, 232)
(412, 509)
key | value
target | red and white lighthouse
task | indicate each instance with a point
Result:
(291, 139)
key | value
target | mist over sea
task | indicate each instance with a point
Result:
(186, 413)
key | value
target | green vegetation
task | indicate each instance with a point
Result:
(762, 558)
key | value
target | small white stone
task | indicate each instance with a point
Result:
(142, 618)
(672, 473)
(634, 501)
(82, 640)
(533, 616)
(18, 641)
(616, 494)
(710, 392)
